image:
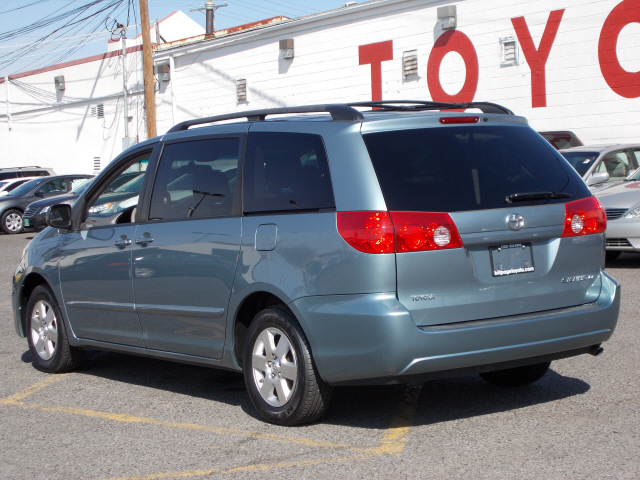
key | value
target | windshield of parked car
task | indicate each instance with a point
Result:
(132, 186)
(25, 188)
(581, 161)
(81, 188)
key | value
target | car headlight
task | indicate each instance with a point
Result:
(45, 209)
(100, 208)
(635, 213)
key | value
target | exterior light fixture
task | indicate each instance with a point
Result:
(241, 90)
(286, 48)
(59, 81)
(410, 63)
(447, 17)
(162, 70)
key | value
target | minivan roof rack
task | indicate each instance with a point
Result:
(417, 105)
(344, 112)
(338, 112)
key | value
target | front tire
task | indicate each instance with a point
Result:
(12, 221)
(47, 336)
(279, 372)
(517, 377)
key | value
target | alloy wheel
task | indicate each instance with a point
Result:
(14, 222)
(275, 368)
(44, 330)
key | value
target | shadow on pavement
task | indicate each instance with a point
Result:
(625, 261)
(361, 407)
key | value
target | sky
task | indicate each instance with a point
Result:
(24, 22)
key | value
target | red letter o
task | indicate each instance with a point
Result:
(625, 84)
(453, 41)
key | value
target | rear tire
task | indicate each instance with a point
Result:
(517, 377)
(611, 255)
(279, 372)
(47, 336)
(12, 221)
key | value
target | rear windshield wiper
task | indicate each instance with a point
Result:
(524, 197)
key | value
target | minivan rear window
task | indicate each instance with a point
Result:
(453, 169)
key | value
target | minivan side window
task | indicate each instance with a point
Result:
(196, 179)
(116, 205)
(286, 172)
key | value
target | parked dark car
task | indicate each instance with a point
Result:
(34, 217)
(13, 205)
(562, 139)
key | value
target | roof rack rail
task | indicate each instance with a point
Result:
(20, 168)
(338, 112)
(416, 105)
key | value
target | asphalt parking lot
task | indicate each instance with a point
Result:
(126, 417)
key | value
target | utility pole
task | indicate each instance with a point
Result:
(123, 37)
(147, 62)
(210, 10)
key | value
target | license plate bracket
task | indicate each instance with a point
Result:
(511, 259)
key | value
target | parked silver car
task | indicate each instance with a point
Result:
(601, 164)
(622, 205)
(398, 244)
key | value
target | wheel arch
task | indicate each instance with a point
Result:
(247, 310)
(32, 281)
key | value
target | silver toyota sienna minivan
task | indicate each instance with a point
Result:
(308, 247)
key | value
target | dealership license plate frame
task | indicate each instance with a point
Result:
(511, 259)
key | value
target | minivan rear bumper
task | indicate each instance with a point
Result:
(372, 339)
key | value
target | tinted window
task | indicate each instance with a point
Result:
(616, 164)
(59, 185)
(286, 171)
(467, 168)
(5, 176)
(37, 173)
(113, 205)
(581, 161)
(196, 179)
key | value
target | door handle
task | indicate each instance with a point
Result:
(123, 241)
(143, 240)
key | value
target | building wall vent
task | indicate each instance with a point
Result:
(508, 51)
(410, 63)
(97, 110)
(96, 164)
(241, 90)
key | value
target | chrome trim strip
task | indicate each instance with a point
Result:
(115, 307)
(180, 310)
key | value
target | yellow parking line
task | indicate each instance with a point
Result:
(16, 398)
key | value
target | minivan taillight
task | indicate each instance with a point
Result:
(389, 232)
(369, 232)
(584, 217)
(418, 231)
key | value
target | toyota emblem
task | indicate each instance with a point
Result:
(515, 221)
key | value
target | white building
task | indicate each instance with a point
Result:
(566, 65)
(70, 116)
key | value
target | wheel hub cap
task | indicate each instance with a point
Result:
(44, 330)
(14, 222)
(274, 367)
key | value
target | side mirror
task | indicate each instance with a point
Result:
(598, 177)
(59, 216)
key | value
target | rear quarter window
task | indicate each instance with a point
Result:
(452, 169)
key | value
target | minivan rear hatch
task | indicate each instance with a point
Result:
(505, 188)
